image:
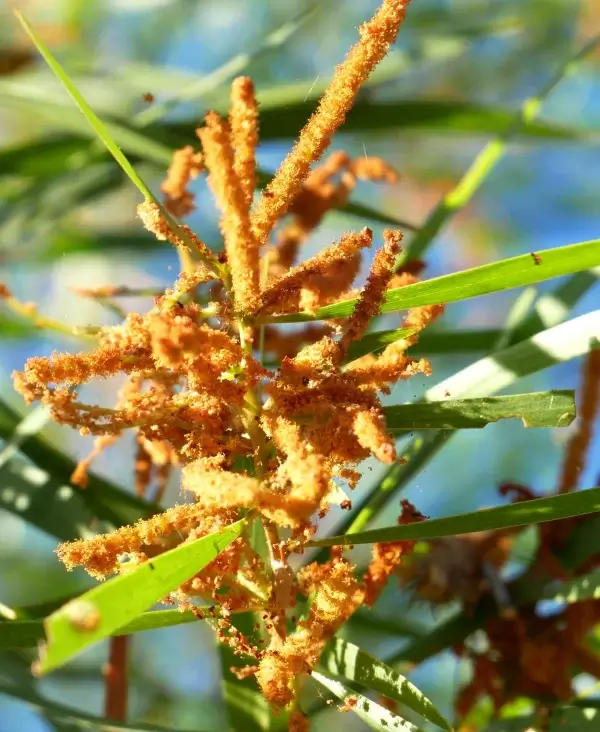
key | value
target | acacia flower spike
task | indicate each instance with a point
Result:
(240, 244)
(243, 122)
(279, 447)
(376, 37)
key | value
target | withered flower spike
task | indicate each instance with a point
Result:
(376, 36)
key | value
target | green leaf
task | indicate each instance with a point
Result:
(342, 658)
(374, 342)
(550, 309)
(109, 243)
(496, 277)
(501, 517)
(586, 587)
(371, 713)
(562, 343)
(74, 718)
(103, 133)
(16, 328)
(99, 128)
(104, 609)
(247, 708)
(398, 627)
(42, 494)
(20, 633)
(541, 409)
(28, 427)
(429, 115)
(26, 633)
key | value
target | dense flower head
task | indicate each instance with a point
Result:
(268, 445)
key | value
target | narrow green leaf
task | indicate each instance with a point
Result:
(74, 718)
(28, 427)
(373, 714)
(366, 212)
(433, 341)
(247, 708)
(16, 328)
(344, 659)
(103, 133)
(373, 342)
(98, 126)
(21, 633)
(501, 517)
(423, 115)
(578, 589)
(496, 277)
(104, 609)
(24, 633)
(65, 117)
(42, 494)
(398, 627)
(562, 343)
(542, 409)
(550, 309)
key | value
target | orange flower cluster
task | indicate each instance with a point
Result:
(270, 446)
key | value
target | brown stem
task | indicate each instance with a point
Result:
(116, 681)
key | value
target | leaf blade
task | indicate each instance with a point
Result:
(541, 409)
(518, 514)
(107, 607)
(372, 714)
(347, 660)
(489, 278)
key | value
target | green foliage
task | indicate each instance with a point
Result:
(501, 517)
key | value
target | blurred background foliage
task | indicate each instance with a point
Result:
(459, 70)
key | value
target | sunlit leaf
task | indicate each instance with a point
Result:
(104, 609)
(373, 714)
(373, 342)
(501, 517)
(542, 409)
(496, 277)
(344, 659)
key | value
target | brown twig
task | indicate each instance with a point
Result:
(116, 679)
